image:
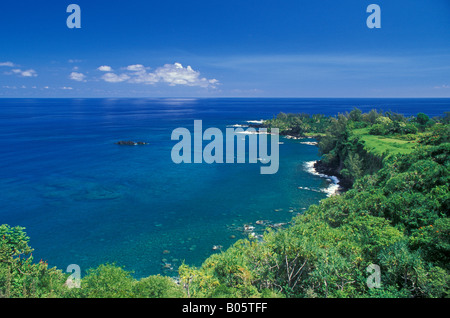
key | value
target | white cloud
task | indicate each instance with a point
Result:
(9, 64)
(172, 74)
(105, 68)
(114, 78)
(68, 88)
(18, 71)
(176, 74)
(79, 77)
(144, 77)
(27, 73)
(136, 67)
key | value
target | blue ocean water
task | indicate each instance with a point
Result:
(86, 201)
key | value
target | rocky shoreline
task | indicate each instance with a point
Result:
(322, 168)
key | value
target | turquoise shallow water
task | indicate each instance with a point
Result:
(86, 201)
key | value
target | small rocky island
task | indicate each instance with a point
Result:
(130, 143)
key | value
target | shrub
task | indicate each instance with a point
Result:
(157, 287)
(378, 129)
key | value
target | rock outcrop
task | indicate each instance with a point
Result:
(130, 143)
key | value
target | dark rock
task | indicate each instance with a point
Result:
(256, 126)
(329, 170)
(326, 169)
(130, 143)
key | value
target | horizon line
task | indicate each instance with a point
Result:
(223, 97)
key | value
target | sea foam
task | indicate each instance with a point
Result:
(261, 121)
(332, 189)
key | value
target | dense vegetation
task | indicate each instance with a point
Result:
(395, 215)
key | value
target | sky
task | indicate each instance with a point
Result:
(245, 48)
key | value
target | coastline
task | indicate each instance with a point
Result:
(334, 187)
(326, 170)
(338, 183)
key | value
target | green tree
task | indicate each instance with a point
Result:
(422, 119)
(196, 282)
(433, 241)
(355, 115)
(157, 287)
(353, 166)
(406, 270)
(106, 281)
(19, 275)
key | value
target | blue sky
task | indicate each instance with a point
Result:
(197, 48)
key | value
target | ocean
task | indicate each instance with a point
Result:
(85, 200)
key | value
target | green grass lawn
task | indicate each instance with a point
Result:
(314, 134)
(382, 144)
